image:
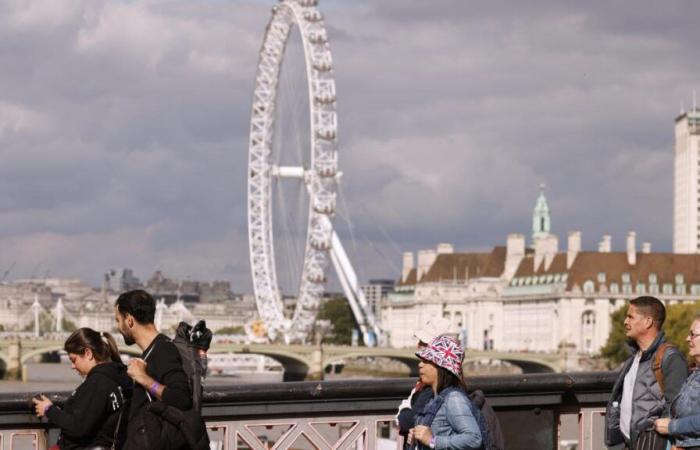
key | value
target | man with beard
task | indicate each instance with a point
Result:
(158, 375)
(650, 378)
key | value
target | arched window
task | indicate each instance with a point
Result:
(588, 287)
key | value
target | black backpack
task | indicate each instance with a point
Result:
(189, 341)
(496, 440)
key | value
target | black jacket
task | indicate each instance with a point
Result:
(89, 416)
(165, 366)
(147, 429)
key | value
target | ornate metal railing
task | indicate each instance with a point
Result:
(537, 411)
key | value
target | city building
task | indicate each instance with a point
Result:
(686, 189)
(375, 291)
(120, 280)
(60, 304)
(534, 298)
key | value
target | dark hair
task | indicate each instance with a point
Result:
(139, 303)
(446, 379)
(102, 345)
(652, 307)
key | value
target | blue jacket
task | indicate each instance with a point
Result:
(454, 425)
(685, 410)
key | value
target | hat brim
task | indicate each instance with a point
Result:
(423, 336)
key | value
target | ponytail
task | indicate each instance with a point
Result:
(102, 345)
(111, 346)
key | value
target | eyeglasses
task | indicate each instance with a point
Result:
(692, 335)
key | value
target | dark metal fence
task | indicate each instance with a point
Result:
(536, 411)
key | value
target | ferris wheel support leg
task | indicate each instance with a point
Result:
(349, 294)
(356, 298)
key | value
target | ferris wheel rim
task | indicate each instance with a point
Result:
(320, 177)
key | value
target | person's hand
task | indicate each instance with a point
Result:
(423, 434)
(137, 370)
(409, 436)
(41, 404)
(661, 425)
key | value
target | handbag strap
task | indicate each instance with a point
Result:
(145, 358)
(116, 430)
(119, 420)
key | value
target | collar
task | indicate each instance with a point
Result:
(634, 347)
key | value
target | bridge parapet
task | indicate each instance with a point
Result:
(538, 411)
(300, 361)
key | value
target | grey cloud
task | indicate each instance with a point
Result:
(451, 113)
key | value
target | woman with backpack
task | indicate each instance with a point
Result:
(684, 424)
(91, 416)
(450, 420)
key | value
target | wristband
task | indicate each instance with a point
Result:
(431, 443)
(154, 388)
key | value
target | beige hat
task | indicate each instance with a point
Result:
(437, 326)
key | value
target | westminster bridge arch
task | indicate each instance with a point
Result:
(299, 361)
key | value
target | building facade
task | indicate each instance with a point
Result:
(686, 189)
(375, 292)
(534, 298)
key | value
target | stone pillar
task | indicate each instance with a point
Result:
(567, 357)
(14, 364)
(316, 369)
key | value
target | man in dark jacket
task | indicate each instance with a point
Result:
(637, 398)
(158, 375)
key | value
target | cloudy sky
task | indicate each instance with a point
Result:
(124, 127)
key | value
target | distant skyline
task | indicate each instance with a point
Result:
(124, 127)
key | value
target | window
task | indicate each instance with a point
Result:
(588, 287)
(652, 278)
(601, 277)
(627, 289)
(641, 289)
(680, 289)
(679, 278)
(625, 278)
(654, 289)
(668, 288)
(614, 288)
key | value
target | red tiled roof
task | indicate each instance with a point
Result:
(461, 266)
(588, 265)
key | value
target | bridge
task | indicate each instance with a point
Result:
(299, 361)
(536, 411)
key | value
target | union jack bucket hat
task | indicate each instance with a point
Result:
(444, 351)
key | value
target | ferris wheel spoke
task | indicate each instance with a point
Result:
(288, 172)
